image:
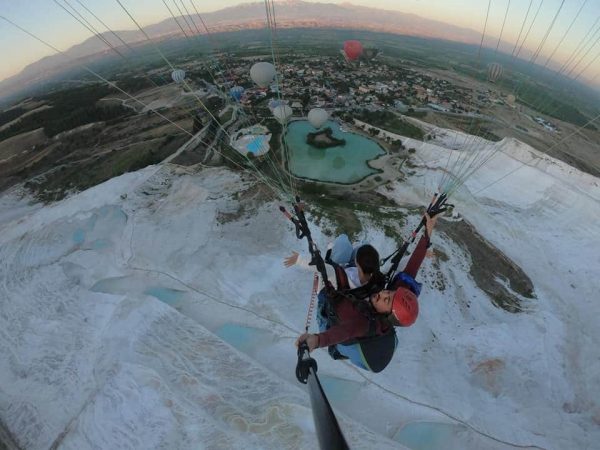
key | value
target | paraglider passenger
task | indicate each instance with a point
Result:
(359, 263)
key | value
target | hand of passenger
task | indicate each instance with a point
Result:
(312, 340)
(291, 260)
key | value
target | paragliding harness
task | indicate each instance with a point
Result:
(343, 287)
(376, 350)
(328, 429)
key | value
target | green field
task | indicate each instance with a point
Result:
(391, 122)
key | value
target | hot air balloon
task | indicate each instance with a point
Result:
(236, 93)
(317, 117)
(282, 113)
(178, 76)
(274, 103)
(262, 73)
(495, 71)
(353, 50)
(511, 100)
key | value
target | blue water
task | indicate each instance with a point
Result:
(128, 285)
(340, 392)
(165, 295)
(431, 436)
(344, 164)
(243, 338)
(79, 236)
(115, 285)
(101, 223)
(100, 244)
(255, 146)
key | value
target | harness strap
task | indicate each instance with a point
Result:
(303, 231)
(366, 290)
(332, 318)
(437, 206)
(343, 285)
(313, 298)
(366, 339)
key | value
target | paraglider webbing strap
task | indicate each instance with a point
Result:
(313, 299)
(437, 206)
(303, 231)
(329, 312)
(343, 286)
(399, 254)
(341, 279)
(370, 336)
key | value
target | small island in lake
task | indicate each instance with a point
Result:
(324, 139)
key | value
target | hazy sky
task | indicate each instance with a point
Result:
(45, 18)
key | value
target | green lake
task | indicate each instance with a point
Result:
(343, 164)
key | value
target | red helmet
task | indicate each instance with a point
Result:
(405, 306)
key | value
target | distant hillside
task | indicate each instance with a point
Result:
(290, 14)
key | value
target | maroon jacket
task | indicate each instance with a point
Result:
(352, 323)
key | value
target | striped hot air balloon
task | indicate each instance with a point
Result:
(495, 71)
(178, 76)
(282, 113)
(274, 103)
(236, 93)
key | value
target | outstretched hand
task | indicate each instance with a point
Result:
(312, 340)
(291, 260)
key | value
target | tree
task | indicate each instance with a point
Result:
(305, 99)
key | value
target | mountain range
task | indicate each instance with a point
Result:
(290, 14)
